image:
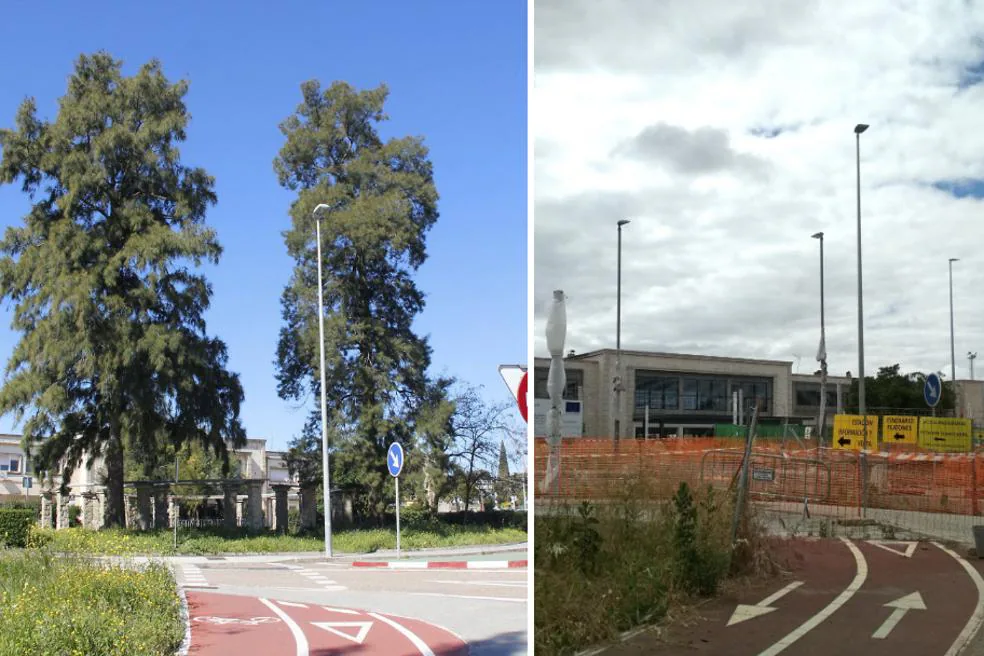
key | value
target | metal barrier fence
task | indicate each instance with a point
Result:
(927, 494)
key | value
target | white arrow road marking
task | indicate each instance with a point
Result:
(333, 627)
(902, 605)
(859, 578)
(745, 612)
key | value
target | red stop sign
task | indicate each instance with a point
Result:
(521, 397)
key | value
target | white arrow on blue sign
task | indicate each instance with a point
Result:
(394, 459)
(932, 390)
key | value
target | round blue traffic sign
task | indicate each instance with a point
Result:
(394, 459)
(933, 390)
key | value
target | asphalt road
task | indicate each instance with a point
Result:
(878, 598)
(443, 610)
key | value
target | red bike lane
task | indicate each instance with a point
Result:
(839, 597)
(230, 624)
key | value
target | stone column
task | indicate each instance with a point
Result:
(309, 507)
(240, 512)
(62, 520)
(254, 505)
(145, 519)
(280, 507)
(229, 491)
(160, 506)
(99, 516)
(46, 498)
(88, 502)
(129, 511)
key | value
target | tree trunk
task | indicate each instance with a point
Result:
(115, 512)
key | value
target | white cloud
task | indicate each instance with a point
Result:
(724, 131)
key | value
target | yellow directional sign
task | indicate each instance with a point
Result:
(850, 430)
(899, 430)
(945, 433)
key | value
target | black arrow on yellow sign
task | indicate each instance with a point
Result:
(844, 441)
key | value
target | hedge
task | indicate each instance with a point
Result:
(15, 523)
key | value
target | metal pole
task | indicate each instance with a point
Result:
(326, 475)
(397, 480)
(953, 357)
(743, 476)
(858, 129)
(822, 354)
(177, 513)
(618, 341)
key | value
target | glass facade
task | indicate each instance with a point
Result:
(575, 381)
(659, 393)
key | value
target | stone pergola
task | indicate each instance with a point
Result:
(155, 504)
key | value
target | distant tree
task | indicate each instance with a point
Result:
(435, 437)
(113, 355)
(383, 202)
(478, 427)
(892, 390)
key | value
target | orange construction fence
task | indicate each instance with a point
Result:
(593, 469)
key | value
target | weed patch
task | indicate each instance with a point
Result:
(606, 568)
(57, 606)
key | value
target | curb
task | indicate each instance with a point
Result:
(441, 564)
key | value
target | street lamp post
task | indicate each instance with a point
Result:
(822, 352)
(858, 129)
(319, 212)
(953, 357)
(971, 357)
(618, 339)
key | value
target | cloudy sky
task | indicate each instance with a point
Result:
(725, 132)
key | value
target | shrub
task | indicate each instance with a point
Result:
(74, 516)
(15, 524)
(293, 521)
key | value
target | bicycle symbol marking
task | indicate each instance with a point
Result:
(253, 621)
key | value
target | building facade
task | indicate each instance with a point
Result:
(669, 394)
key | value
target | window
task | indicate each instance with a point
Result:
(657, 392)
(808, 395)
(761, 391)
(575, 380)
(706, 394)
(14, 465)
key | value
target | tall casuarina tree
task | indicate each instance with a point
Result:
(383, 202)
(113, 354)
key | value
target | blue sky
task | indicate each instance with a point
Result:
(457, 76)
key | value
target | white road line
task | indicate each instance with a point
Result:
(407, 633)
(974, 623)
(500, 584)
(299, 639)
(859, 578)
(344, 611)
(292, 603)
(518, 600)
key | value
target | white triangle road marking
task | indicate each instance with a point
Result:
(333, 627)
(906, 552)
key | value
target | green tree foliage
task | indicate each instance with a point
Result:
(383, 202)
(113, 354)
(890, 390)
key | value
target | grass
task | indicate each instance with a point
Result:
(71, 607)
(601, 571)
(119, 542)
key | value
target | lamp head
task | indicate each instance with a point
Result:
(623, 222)
(860, 127)
(818, 235)
(954, 259)
(320, 210)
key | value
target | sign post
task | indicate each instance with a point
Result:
(394, 463)
(933, 391)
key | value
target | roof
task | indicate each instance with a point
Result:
(686, 356)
